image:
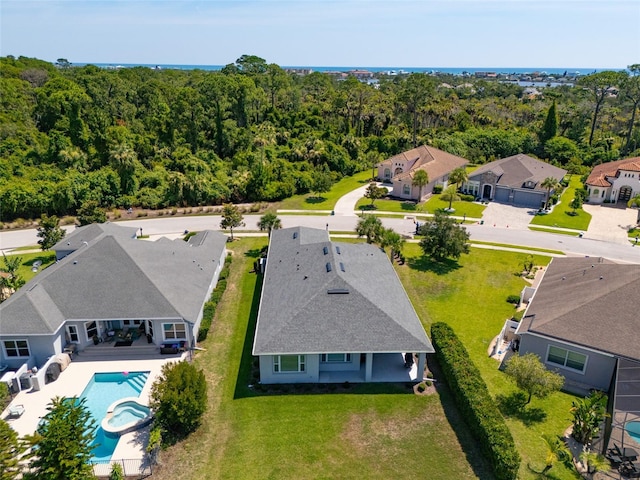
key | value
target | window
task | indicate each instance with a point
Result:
(17, 348)
(132, 322)
(406, 189)
(174, 330)
(387, 173)
(288, 363)
(566, 358)
(91, 328)
(335, 357)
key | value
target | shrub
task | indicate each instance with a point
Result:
(116, 472)
(513, 299)
(437, 189)
(467, 198)
(179, 399)
(475, 403)
(209, 309)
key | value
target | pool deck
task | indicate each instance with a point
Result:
(72, 382)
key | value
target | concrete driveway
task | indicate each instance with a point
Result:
(507, 216)
(610, 223)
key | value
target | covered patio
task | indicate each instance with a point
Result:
(385, 367)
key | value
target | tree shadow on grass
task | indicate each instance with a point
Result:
(426, 264)
(254, 252)
(315, 199)
(542, 475)
(514, 405)
(409, 206)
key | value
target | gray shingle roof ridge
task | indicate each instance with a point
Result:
(51, 312)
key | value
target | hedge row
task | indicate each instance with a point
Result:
(209, 309)
(475, 403)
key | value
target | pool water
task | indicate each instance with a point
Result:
(633, 429)
(128, 412)
(100, 393)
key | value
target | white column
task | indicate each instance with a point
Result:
(422, 357)
(368, 367)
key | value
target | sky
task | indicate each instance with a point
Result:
(356, 33)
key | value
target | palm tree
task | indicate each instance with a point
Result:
(634, 202)
(594, 462)
(557, 450)
(458, 175)
(450, 195)
(420, 179)
(371, 227)
(390, 238)
(549, 183)
(269, 221)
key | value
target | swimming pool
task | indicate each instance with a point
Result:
(633, 429)
(101, 391)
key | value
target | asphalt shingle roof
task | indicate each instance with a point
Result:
(357, 304)
(588, 302)
(516, 170)
(114, 276)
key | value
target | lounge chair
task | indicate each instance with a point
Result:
(16, 411)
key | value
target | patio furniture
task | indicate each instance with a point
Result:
(16, 411)
(630, 469)
(626, 454)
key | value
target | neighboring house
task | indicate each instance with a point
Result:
(516, 180)
(583, 320)
(614, 182)
(334, 312)
(107, 281)
(399, 170)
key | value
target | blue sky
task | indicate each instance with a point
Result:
(393, 33)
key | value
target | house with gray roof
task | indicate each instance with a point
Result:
(582, 319)
(334, 312)
(400, 170)
(515, 180)
(107, 286)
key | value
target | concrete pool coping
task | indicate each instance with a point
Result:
(71, 383)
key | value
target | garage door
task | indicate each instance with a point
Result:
(502, 195)
(528, 199)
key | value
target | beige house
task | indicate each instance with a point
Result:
(400, 170)
(614, 182)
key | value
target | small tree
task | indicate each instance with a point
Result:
(527, 264)
(116, 472)
(420, 179)
(372, 159)
(594, 462)
(531, 376)
(371, 227)
(588, 414)
(634, 202)
(179, 399)
(322, 183)
(11, 449)
(549, 183)
(458, 176)
(576, 204)
(374, 192)
(450, 195)
(90, 212)
(269, 221)
(62, 443)
(443, 238)
(557, 451)
(392, 239)
(231, 218)
(49, 231)
(12, 280)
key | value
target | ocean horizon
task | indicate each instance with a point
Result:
(444, 70)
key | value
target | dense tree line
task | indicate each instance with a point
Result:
(139, 137)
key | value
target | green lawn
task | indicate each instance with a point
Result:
(366, 431)
(28, 260)
(327, 200)
(472, 210)
(561, 215)
(551, 230)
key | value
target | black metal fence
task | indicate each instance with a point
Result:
(131, 468)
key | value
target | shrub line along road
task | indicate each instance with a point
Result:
(342, 223)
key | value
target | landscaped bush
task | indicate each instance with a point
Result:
(467, 198)
(437, 189)
(209, 309)
(475, 403)
(513, 299)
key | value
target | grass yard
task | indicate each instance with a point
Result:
(561, 216)
(28, 260)
(471, 297)
(367, 431)
(326, 201)
(360, 431)
(472, 210)
(552, 230)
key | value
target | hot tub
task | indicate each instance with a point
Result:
(126, 415)
(633, 429)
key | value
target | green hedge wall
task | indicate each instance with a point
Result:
(209, 309)
(475, 403)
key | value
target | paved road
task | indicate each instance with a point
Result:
(337, 223)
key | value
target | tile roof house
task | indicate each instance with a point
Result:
(516, 180)
(334, 312)
(400, 169)
(583, 319)
(104, 282)
(614, 182)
